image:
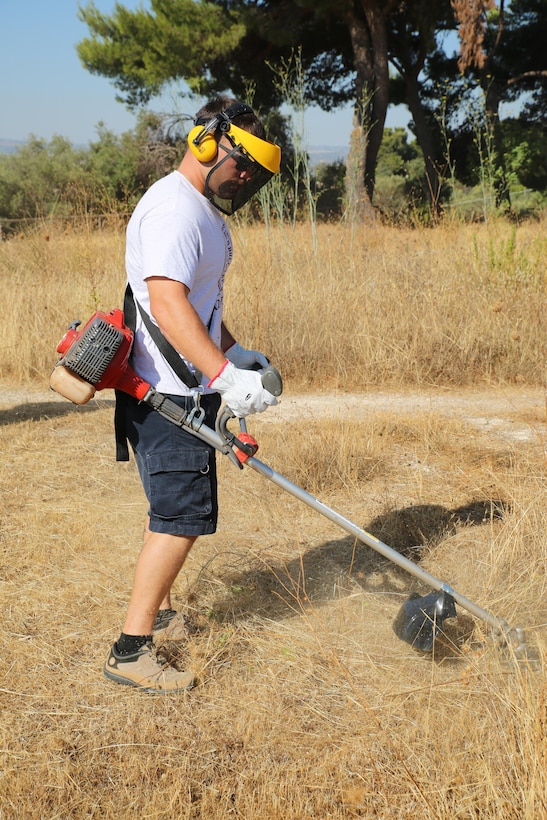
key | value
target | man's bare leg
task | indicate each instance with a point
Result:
(166, 603)
(160, 561)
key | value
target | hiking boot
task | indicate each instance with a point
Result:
(163, 619)
(142, 669)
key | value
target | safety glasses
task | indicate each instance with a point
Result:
(243, 161)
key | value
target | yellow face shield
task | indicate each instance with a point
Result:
(258, 158)
(265, 153)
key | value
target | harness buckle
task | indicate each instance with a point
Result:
(196, 415)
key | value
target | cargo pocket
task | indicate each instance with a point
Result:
(180, 485)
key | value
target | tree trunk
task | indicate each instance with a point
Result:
(497, 158)
(426, 142)
(369, 41)
(359, 204)
(375, 17)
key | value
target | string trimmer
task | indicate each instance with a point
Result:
(97, 357)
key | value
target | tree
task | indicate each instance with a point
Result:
(506, 49)
(125, 166)
(328, 181)
(415, 28)
(401, 189)
(215, 46)
(37, 179)
(526, 153)
(346, 47)
(140, 50)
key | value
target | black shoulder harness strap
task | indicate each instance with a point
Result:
(166, 349)
(168, 352)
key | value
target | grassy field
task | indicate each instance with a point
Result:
(370, 307)
(308, 705)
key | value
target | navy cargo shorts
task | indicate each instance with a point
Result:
(177, 470)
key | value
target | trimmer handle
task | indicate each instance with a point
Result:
(246, 445)
(271, 380)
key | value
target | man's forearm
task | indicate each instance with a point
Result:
(182, 327)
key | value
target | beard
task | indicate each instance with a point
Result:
(228, 189)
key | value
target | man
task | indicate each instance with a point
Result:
(177, 252)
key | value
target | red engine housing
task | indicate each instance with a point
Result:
(99, 353)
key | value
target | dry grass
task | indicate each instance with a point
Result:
(384, 306)
(308, 705)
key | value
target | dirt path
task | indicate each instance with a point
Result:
(511, 412)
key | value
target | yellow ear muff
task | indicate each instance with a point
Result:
(204, 148)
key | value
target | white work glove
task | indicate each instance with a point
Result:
(244, 358)
(242, 390)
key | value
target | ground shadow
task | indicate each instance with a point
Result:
(37, 411)
(412, 529)
(333, 569)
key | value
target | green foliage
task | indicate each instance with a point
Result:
(141, 50)
(478, 149)
(125, 166)
(248, 47)
(42, 180)
(526, 153)
(38, 178)
(329, 185)
(231, 45)
(218, 45)
(396, 153)
(400, 181)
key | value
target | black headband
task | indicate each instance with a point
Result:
(223, 119)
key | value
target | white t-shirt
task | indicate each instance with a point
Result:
(177, 233)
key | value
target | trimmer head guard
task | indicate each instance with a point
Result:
(420, 618)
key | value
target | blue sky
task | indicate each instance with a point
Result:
(45, 90)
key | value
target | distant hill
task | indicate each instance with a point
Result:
(9, 146)
(327, 153)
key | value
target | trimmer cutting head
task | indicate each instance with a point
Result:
(420, 618)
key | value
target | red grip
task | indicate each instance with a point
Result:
(245, 438)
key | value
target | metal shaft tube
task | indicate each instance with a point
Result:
(219, 443)
(370, 540)
(375, 543)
